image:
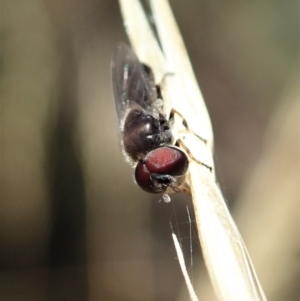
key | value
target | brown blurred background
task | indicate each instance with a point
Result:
(73, 226)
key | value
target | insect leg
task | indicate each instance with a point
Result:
(158, 91)
(165, 76)
(179, 142)
(183, 189)
(184, 122)
(161, 83)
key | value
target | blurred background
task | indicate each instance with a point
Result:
(73, 226)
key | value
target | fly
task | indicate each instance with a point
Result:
(147, 140)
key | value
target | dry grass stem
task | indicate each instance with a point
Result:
(226, 257)
(183, 269)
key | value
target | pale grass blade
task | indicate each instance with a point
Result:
(226, 257)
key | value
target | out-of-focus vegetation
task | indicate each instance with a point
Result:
(73, 226)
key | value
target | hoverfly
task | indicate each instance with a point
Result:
(147, 139)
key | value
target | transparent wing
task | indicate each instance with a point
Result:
(132, 85)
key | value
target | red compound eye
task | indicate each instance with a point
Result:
(167, 160)
(142, 177)
(164, 161)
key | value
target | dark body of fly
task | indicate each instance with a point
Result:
(146, 134)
